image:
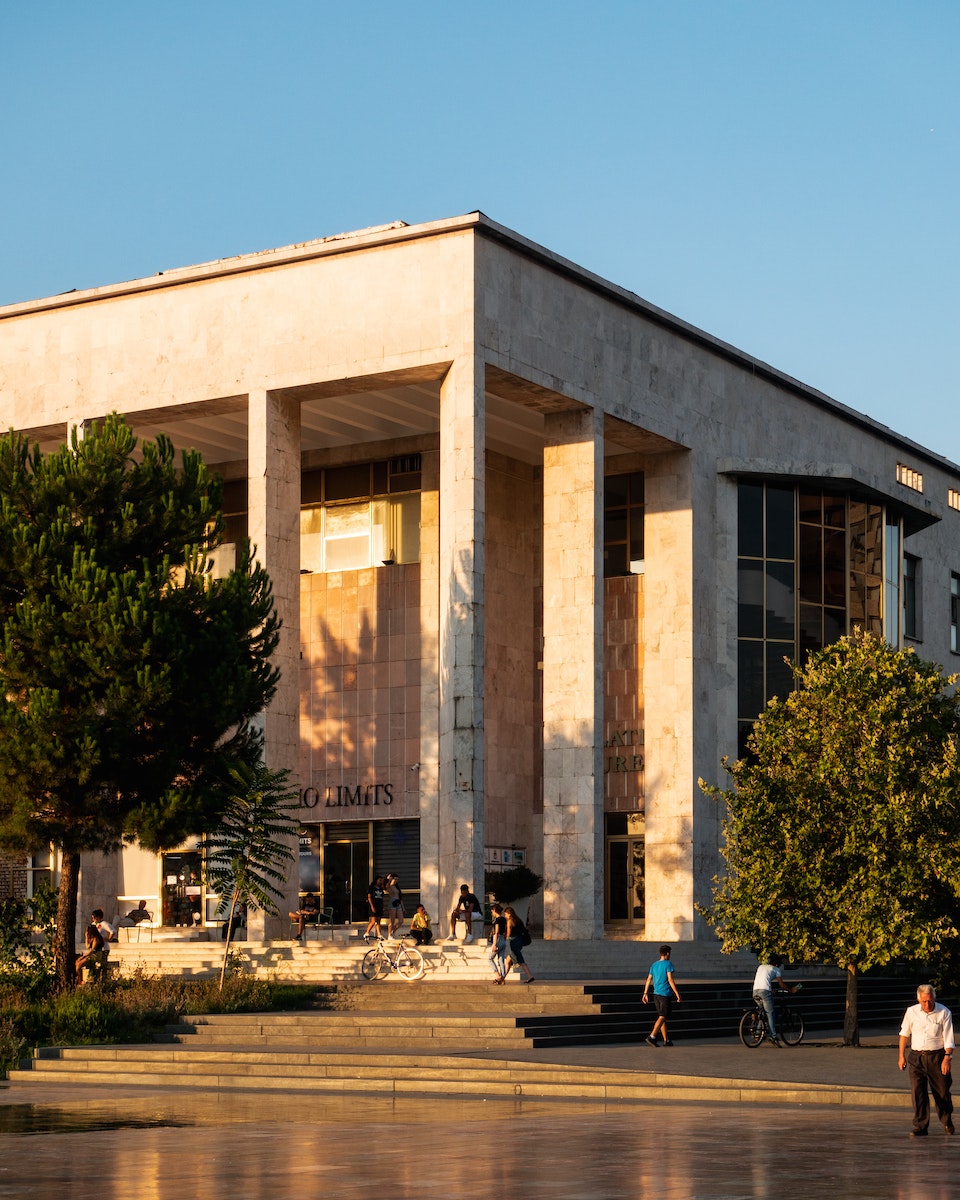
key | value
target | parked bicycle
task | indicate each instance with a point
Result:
(383, 959)
(754, 1027)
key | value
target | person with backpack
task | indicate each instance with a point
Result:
(518, 936)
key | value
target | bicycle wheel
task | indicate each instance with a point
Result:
(375, 964)
(753, 1028)
(790, 1027)
(409, 962)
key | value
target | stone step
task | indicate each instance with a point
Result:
(400, 1075)
(337, 958)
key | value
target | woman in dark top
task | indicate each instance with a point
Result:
(498, 943)
(516, 934)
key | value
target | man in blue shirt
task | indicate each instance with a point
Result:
(660, 979)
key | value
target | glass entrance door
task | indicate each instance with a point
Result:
(625, 892)
(346, 876)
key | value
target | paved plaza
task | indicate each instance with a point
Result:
(69, 1142)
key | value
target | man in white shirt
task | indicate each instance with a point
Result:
(106, 930)
(926, 1047)
(768, 976)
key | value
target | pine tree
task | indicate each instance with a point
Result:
(129, 677)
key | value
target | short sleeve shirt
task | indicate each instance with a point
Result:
(928, 1030)
(766, 974)
(660, 970)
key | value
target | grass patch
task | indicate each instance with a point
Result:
(136, 1009)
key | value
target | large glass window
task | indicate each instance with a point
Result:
(623, 524)
(360, 515)
(810, 566)
(911, 597)
(39, 870)
(955, 613)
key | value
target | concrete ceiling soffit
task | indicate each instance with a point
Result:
(634, 439)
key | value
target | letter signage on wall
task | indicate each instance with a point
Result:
(343, 795)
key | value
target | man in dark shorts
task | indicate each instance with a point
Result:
(660, 978)
(307, 914)
(375, 905)
(466, 906)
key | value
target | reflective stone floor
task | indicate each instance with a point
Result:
(69, 1143)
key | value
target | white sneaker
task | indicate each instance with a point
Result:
(468, 938)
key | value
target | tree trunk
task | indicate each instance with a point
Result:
(229, 937)
(64, 941)
(851, 1021)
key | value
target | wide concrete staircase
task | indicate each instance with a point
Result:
(396, 1039)
(334, 954)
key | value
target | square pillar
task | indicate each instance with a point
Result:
(273, 462)
(458, 820)
(573, 675)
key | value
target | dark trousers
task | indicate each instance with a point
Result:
(924, 1068)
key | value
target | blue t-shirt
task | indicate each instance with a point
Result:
(660, 969)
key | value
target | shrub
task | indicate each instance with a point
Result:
(512, 884)
(129, 1010)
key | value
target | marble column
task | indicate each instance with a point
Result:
(459, 812)
(573, 675)
(274, 531)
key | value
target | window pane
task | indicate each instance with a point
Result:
(345, 483)
(347, 520)
(635, 543)
(615, 561)
(347, 554)
(810, 507)
(750, 697)
(833, 625)
(858, 603)
(834, 567)
(834, 511)
(346, 540)
(810, 571)
(750, 599)
(616, 490)
(811, 629)
(311, 540)
(779, 522)
(311, 487)
(779, 602)
(750, 520)
(615, 526)
(617, 881)
(779, 675)
(406, 510)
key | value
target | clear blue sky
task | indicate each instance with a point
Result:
(784, 175)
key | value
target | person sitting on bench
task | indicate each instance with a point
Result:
(307, 914)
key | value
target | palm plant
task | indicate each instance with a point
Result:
(251, 843)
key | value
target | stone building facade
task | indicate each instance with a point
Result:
(539, 549)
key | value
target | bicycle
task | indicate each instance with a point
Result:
(407, 961)
(754, 1027)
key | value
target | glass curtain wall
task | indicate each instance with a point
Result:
(811, 566)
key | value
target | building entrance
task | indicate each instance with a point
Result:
(624, 873)
(335, 866)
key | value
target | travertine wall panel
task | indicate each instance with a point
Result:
(513, 632)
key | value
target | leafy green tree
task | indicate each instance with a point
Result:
(251, 843)
(129, 677)
(842, 830)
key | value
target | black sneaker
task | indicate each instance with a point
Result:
(652, 1042)
(667, 1043)
(775, 1041)
(918, 1133)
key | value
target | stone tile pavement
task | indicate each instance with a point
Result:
(75, 1143)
